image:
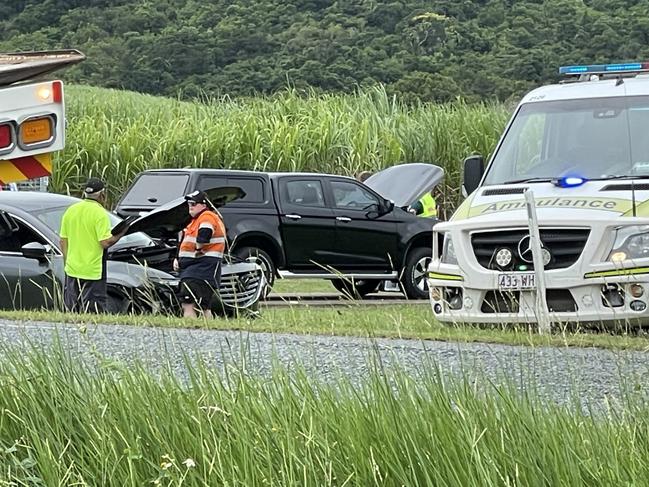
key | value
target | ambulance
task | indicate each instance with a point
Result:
(568, 182)
(32, 114)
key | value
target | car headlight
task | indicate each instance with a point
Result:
(631, 242)
(448, 251)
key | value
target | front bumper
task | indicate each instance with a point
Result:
(590, 291)
(596, 301)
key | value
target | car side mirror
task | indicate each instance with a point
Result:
(35, 250)
(382, 208)
(473, 171)
(386, 207)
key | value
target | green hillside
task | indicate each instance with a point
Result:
(429, 50)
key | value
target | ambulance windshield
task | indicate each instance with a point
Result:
(590, 138)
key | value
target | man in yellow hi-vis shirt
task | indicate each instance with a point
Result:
(426, 206)
(85, 235)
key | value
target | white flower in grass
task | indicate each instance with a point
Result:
(189, 463)
(167, 462)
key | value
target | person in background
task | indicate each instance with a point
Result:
(85, 236)
(202, 244)
(363, 175)
(426, 206)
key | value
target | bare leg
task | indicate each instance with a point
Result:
(188, 310)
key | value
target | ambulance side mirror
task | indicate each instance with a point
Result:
(473, 171)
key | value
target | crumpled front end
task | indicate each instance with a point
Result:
(595, 271)
(242, 286)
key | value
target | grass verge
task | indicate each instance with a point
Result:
(303, 286)
(64, 422)
(359, 320)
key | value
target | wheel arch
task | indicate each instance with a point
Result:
(263, 242)
(419, 240)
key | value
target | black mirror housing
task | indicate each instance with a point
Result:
(34, 250)
(473, 171)
(387, 207)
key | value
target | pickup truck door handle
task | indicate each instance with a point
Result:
(294, 217)
(343, 219)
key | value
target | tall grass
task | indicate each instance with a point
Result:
(63, 422)
(116, 134)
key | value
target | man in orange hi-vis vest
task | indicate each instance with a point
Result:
(199, 257)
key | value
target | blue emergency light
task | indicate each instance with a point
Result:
(605, 68)
(569, 181)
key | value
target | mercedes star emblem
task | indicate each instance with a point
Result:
(525, 251)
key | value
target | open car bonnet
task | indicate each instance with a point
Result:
(404, 184)
(169, 219)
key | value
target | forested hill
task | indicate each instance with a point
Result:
(431, 50)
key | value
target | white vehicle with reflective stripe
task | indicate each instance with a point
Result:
(32, 114)
(582, 148)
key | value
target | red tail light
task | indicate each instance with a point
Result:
(6, 136)
(57, 92)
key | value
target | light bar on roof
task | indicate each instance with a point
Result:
(605, 68)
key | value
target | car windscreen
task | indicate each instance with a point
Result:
(52, 218)
(589, 138)
(155, 189)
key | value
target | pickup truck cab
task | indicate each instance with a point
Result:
(581, 148)
(308, 225)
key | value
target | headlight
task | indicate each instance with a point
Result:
(448, 251)
(631, 242)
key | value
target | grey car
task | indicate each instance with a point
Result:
(138, 267)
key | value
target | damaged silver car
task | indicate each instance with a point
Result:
(138, 267)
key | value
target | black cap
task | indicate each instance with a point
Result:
(197, 197)
(94, 186)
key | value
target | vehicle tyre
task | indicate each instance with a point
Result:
(263, 259)
(413, 276)
(356, 288)
(117, 303)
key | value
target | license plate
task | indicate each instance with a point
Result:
(517, 280)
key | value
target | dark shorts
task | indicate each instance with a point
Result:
(196, 291)
(84, 296)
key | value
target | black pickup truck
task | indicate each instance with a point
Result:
(306, 225)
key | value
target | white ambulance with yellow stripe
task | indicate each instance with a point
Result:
(32, 113)
(581, 148)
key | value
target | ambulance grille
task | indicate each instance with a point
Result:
(564, 244)
(502, 191)
(626, 187)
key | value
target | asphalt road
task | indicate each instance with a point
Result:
(330, 300)
(595, 376)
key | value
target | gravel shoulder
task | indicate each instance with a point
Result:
(595, 377)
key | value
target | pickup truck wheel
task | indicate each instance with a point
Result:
(413, 278)
(263, 259)
(356, 288)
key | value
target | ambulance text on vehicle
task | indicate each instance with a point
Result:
(32, 114)
(582, 148)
